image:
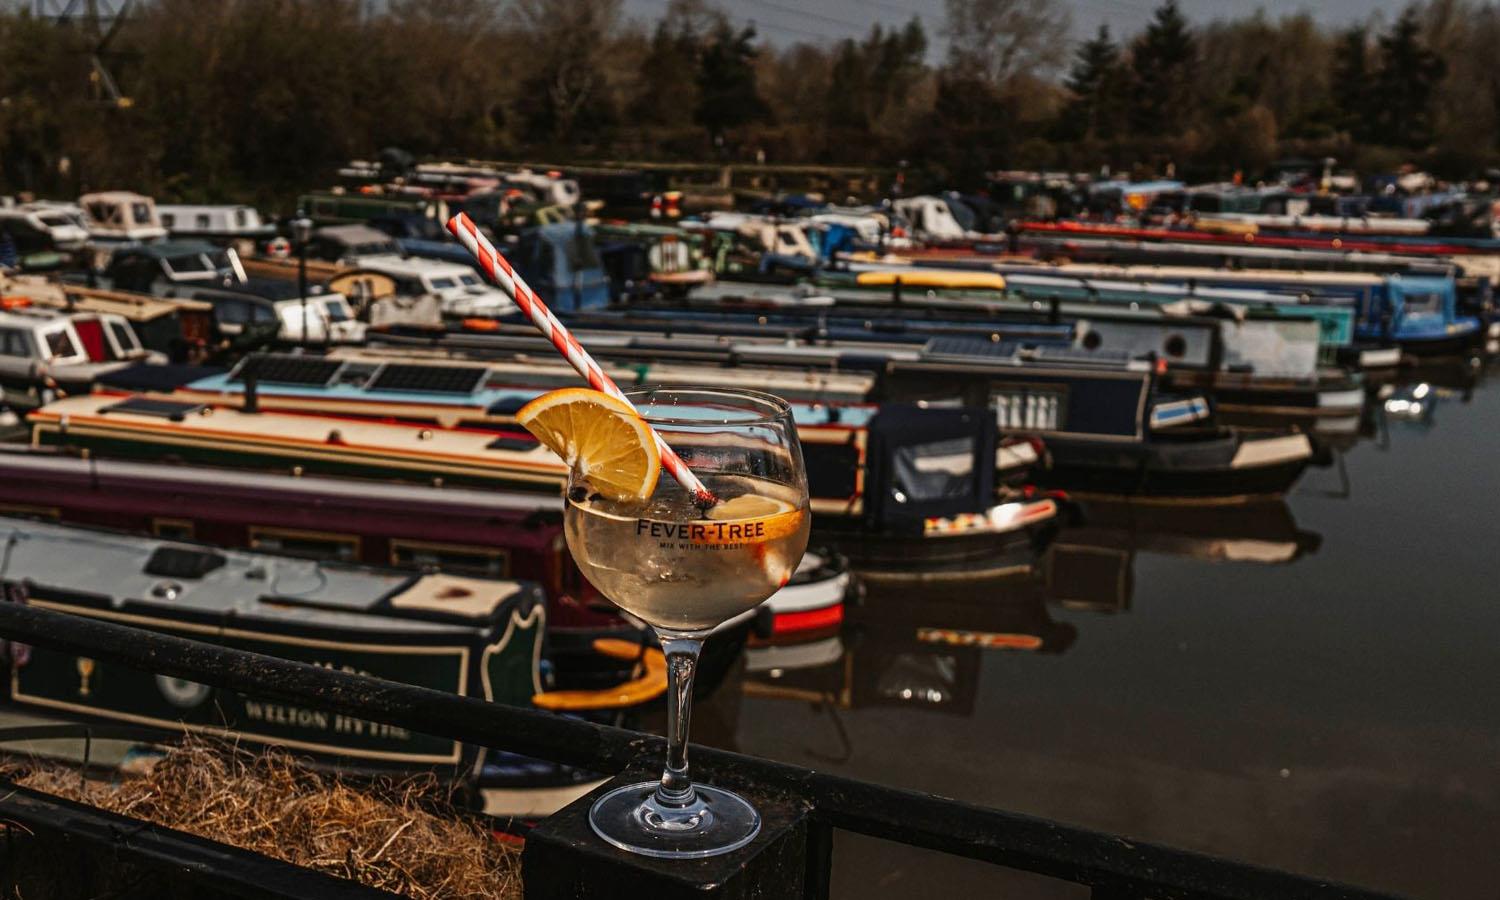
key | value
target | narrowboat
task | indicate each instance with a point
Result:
(472, 636)
(170, 268)
(1106, 425)
(462, 532)
(401, 443)
(46, 354)
(47, 226)
(239, 226)
(1259, 369)
(1099, 287)
(184, 330)
(120, 216)
(1418, 313)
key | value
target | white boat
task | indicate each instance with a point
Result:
(121, 216)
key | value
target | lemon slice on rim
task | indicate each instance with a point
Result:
(601, 437)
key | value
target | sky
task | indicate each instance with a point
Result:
(789, 21)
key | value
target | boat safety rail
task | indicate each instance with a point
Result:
(1112, 866)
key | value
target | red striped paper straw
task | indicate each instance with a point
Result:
(500, 271)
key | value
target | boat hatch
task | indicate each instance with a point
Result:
(170, 561)
(929, 462)
(471, 598)
(429, 379)
(512, 442)
(161, 409)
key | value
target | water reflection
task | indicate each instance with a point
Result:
(921, 645)
(1241, 680)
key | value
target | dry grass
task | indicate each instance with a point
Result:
(400, 837)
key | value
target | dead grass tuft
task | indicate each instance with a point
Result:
(398, 836)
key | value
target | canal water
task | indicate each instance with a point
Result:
(1308, 685)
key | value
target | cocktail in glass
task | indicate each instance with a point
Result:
(686, 569)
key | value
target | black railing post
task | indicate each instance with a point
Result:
(565, 860)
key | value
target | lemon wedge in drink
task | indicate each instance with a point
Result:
(600, 437)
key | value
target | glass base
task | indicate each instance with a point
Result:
(715, 822)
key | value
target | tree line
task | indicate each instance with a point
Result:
(257, 99)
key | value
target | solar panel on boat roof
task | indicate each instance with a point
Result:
(970, 347)
(146, 406)
(308, 370)
(429, 379)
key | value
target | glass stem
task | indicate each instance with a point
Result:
(676, 788)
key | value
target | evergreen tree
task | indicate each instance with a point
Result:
(1409, 74)
(669, 70)
(727, 94)
(1164, 61)
(1350, 83)
(1094, 81)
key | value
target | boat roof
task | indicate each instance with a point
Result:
(420, 449)
(353, 234)
(395, 381)
(30, 317)
(413, 265)
(114, 197)
(211, 582)
(202, 207)
(274, 289)
(169, 249)
(127, 304)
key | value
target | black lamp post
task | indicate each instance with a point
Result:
(301, 233)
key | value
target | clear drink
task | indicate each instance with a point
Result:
(684, 570)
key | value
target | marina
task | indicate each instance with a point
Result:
(686, 460)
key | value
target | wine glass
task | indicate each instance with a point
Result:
(685, 570)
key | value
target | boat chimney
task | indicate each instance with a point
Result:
(251, 402)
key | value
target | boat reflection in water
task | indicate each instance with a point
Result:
(1091, 564)
(913, 646)
(922, 645)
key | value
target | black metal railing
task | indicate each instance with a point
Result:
(1112, 866)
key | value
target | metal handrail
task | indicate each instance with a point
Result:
(1113, 865)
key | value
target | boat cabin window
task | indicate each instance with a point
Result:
(442, 284)
(469, 280)
(203, 223)
(933, 471)
(306, 544)
(337, 309)
(14, 342)
(375, 248)
(169, 220)
(173, 529)
(124, 336)
(240, 219)
(141, 212)
(455, 559)
(232, 312)
(26, 511)
(101, 212)
(60, 344)
(1030, 409)
(1429, 302)
(55, 220)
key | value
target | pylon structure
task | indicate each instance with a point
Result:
(97, 22)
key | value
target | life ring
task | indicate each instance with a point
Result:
(279, 247)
